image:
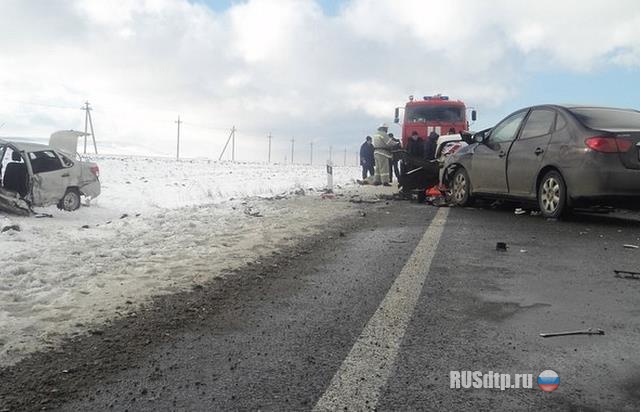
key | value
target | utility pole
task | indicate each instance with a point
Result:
(311, 154)
(330, 152)
(345, 156)
(88, 121)
(292, 143)
(233, 144)
(178, 140)
(269, 158)
(232, 139)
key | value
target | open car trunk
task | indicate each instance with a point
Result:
(66, 141)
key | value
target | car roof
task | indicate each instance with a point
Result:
(583, 106)
(26, 146)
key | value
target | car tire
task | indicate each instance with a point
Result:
(552, 195)
(461, 188)
(70, 201)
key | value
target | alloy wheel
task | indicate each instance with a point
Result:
(550, 196)
(459, 188)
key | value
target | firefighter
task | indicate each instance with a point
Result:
(366, 158)
(383, 145)
(393, 162)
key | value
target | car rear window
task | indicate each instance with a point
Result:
(598, 118)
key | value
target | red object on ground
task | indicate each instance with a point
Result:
(433, 191)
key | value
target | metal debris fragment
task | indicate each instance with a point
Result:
(589, 331)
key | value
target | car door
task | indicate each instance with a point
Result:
(50, 177)
(489, 161)
(527, 152)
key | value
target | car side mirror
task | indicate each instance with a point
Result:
(396, 118)
(479, 138)
(474, 115)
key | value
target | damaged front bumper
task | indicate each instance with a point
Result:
(12, 203)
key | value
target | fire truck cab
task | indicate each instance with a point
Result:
(433, 114)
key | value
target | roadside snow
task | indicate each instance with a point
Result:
(158, 227)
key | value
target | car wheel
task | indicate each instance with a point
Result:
(70, 201)
(552, 195)
(461, 188)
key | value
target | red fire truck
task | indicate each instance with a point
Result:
(433, 114)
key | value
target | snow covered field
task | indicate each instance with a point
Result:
(159, 226)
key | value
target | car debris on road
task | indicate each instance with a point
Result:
(625, 274)
(589, 331)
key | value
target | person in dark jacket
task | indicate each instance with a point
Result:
(416, 146)
(432, 145)
(366, 158)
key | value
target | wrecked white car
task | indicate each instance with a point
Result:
(43, 175)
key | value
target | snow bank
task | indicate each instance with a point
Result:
(143, 183)
(158, 226)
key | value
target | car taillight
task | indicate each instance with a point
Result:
(624, 145)
(95, 170)
(606, 144)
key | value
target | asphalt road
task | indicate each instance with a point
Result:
(374, 315)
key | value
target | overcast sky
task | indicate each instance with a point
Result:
(322, 71)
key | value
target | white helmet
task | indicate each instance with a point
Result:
(383, 126)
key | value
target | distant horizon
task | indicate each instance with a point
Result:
(313, 70)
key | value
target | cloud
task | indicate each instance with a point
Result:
(284, 66)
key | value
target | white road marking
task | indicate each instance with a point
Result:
(358, 384)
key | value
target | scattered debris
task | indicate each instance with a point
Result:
(501, 246)
(41, 215)
(85, 227)
(14, 227)
(631, 247)
(358, 199)
(523, 250)
(625, 274)
(124, 215)
(520, 211)
(589, 331)
(397, 241)
(341, 234)
(250, 211)
(535, 213)
(363, 213)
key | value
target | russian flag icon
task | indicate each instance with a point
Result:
(548, 381)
